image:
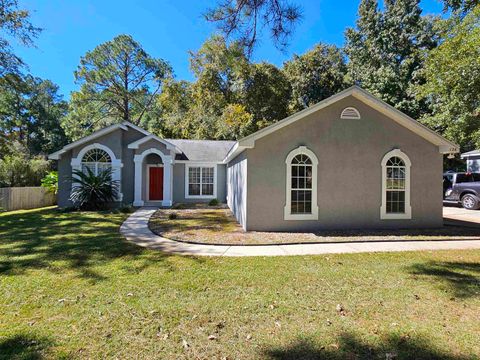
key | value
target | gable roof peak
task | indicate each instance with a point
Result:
(124, 125)
(445, 146)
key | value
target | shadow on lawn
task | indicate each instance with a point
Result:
(54, 240)
(24, 347)
(462, 278)
(349, 346)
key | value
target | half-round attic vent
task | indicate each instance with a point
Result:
(350, 113)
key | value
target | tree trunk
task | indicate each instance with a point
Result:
(126, 103)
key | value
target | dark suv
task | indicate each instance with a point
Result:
(462, 188)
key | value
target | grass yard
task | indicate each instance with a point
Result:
(71, 287)
(217, 225)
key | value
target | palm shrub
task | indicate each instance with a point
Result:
(93, 192)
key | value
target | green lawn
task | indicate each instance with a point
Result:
(71, 287)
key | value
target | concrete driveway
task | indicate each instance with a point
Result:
(456, 215)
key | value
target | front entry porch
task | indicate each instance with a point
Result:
(153, 178)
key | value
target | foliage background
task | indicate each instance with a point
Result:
(427, 67)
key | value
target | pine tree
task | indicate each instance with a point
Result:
(386, 52)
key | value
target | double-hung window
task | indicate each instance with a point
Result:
(396, 186)
(301, 181)
(200, 181)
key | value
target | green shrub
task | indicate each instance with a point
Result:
(93, 192)
(126, 209)
(19, 170)
(178, 206)
(172, 216)
(50, 182)
(213, 202)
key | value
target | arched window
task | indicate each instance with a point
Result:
(301, 197)
(96, 160)
(395, 186)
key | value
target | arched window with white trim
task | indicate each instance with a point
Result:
(301, 194)
(98, 157)
(97, 160)
(396, 186)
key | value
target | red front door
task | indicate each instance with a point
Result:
(156, 183)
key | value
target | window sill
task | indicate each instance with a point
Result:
(407, 215)
(290, 216)
(200, 196)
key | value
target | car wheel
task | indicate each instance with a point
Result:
(470, 202)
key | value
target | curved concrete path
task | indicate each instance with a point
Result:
(135, 229)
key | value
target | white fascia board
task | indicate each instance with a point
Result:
(444, 145)
(470, 153)
(96, 134)
(55, 155)
(170, 146)
(135, 127)
(124, 126)
(249, 141)
(198, 162)
(236, 150)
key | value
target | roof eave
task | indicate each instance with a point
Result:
(124, 126)
(56, 155)
(445, 146)
(136, 144)
(469, 154)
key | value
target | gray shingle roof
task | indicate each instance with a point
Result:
(202, 150)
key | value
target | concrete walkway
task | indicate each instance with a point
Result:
(456, 215)
(135, 229)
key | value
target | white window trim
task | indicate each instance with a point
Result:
(345, 114)
(288, 205)
(147, 182)
(408, 209)
(201, 165)
(76, 164)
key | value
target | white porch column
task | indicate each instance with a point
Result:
(167, 181)
(137, 200)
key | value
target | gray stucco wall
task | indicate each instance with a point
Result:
(237, 188)
(64, 182)
(117, 141)
(128, 170)
(179, 184)
(349, 172)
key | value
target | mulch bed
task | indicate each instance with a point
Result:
(199, 223)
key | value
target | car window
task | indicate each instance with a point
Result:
(465, 178)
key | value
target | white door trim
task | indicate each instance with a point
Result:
(167, 161)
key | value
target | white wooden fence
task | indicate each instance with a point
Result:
(15, 198)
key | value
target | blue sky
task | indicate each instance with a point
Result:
(166, 28)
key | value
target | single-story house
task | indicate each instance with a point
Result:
(351, 161)
(473, 160)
